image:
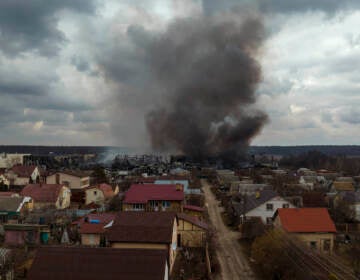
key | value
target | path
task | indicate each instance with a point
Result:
(234, 264)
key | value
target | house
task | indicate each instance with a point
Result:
(9, 160)
(145, 230)
(191, 231)
(193, 210)
(314, 199)
(262, 204)
(12, 207)
(246, 188)
(152, 197)
(48, 195)
(184, 183)
(6, 264)
(60, 263)
(94, 195)
(98, 194)
(309, 182)
(23, 234)
(71, 179)
(339, 186)
(353, 199)
(92, 228)
(312, 225)
(21, 175)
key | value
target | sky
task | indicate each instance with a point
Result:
(64, 63)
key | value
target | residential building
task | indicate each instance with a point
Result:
(25, 234)
(191, 231)
(184, 183)
(71, 179)
(145, 230)
(152, 197)
(262, 204)
(311, 225)
(353, 199)
(48, 195)
(193, 210)
(12, 207)
(9, 160)
(92, 228)
(21, 175)
(340, 186)
(58, 263)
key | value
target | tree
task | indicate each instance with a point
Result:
(99, 175)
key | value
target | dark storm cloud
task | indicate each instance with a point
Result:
(282, 6)
(32, 25)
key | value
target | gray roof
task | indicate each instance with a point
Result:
(251, 201)
(350, 196)
(10, 204)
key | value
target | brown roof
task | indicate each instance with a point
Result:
(58, 263)
(76, 173)
(343, 186)
(10, 204)
(193, 220)
(23, 170)
(142, 227)
(42, 192)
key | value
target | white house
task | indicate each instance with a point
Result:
(262, 204)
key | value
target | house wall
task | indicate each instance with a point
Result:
(134, 245)
(41, 205)
(73, 182)
(64, 198)
(175, 206)
(94, 195)
(21, 181)
(309, 237)
(173, 246)
(262, 212)
(17, 237)
(191, 235)
(319, 238)
(90, 239)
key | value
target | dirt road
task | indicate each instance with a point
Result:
(234, 264)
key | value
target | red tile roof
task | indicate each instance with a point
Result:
(42, 192)
(58, 263)
(193, 208)
(306, 220)
(144, 192)
(23, 170)
(142, 227)
(87, 228)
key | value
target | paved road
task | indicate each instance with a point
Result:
(234, 264)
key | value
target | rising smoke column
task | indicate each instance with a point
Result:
(208, 73)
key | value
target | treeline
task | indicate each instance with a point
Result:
(316, 160)
(348, 150)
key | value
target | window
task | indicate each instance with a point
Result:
(166, 204)
(269, 207)
(313, 245)
(285, 205)
(326, 245)
(138, 206)
(269, 221)
(95, 192)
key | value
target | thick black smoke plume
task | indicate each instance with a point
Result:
(208, 73)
